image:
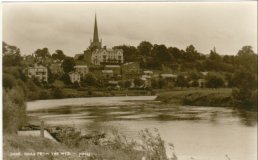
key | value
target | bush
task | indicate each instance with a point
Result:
(14, 109)
(57, 93)
(44, 95)
(90, 79)
(214, 81)
(245, 98)
(152, 145)
(8, 81)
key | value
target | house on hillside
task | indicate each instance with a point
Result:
(107, 56)
(39, 72)
(115, 68)
(74, 77)
(82, 70)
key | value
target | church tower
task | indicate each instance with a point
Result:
(96, 43)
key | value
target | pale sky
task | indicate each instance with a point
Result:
(69, 26)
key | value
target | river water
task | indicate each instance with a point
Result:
(198, 133)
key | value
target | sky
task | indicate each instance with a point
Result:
(228, 26)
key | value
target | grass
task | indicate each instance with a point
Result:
(27, 144)
(115, 147)
(198, 97)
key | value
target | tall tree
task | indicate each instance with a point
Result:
(191, 53)
(68, 64)
(130, 53)
(161, 54)
(145, 48)
(43, 53)
(247, 58)
(11, 55)
(59, 55)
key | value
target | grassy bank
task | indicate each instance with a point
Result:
(59, 93)
(73, 144)
(198, 97)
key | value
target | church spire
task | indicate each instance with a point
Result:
(95, 44)
(95, 35)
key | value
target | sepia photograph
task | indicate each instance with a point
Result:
(119, 80)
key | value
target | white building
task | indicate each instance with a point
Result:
(82, 70)
(107, 56)
(39, 72)
(74, 77)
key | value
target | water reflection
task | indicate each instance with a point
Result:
(149, 111)
(199, 132)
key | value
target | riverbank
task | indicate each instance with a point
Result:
(61, 93)
(73, 145)
(198, 97)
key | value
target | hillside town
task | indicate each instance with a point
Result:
(107, 68)
(147, 69)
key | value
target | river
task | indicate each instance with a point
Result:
(198, 133)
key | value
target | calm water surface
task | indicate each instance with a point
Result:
(198, 133)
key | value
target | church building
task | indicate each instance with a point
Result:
(98, 55)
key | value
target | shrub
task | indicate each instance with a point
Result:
(57, 93)
(44, 95)
(14, 109)
(152, 145)
(8, 81)
(214, 81)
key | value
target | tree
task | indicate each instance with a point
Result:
(66, 79)
(127, 84)
(191, 53)
(247, 58)
(68, 64)
(181, 81)
(90, 79)
(214, 81)
(246, 90)
(214, 56)
(11, 55)
(161, 54)
(154, 83)
(8, 81)
(195, 83)
(14, 109)
(130, 53)
(244, 80)
(175, 53)
(138, 82)
(58, 55)
(57, 93)
(43, 53)
(145, 48)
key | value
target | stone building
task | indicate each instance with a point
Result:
(39, 72)
(96, 55)
(107, 56)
